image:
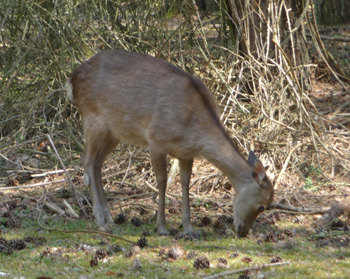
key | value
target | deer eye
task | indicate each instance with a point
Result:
(261, 208)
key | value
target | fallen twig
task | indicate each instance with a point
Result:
(332, 234)
(168, 195)
(335, 211)
(54, 207)
(117, 173)
(32, 185)
(172, 173)
(298, 209)
(258, 267)
(69, 180)
(228, 248)
(49, 172)
(34, 174)
(70, 209)
(84, 231)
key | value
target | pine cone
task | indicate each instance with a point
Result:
(12, 205)
(219, 224)
(17, 244)
(175, 253)
(222, 218)
(120, 219)
(173, 232)
(14, 223)
(100, 254)
(133, 251)
(46, 252)
(161, 253)
(288, 232)
(222, 261)
(201, 263)
(276, 259)
(234, 255)
(247, 259)
(281, 236)
(146, 233)
(94, 262)
(136, 221)
(229, 220)
(30, 239)
(3, 241)
(205, 221)
(270, 237)
(114, 249)
(142, 242)
(6, 250)
(6, 214)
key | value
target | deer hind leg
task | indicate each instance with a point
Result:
(158, 160)
(98, 145)
(185, 175)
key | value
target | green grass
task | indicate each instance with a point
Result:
(306, 258)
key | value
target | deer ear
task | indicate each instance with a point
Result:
(252, 158)
(259, 171)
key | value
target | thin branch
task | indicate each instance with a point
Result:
(298, 209)
(84, 231)
(69, 180)
(258, 267)
(286, 162)
(32, 185)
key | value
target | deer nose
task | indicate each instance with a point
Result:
(241, 230)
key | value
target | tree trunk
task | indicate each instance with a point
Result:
(267, 30)
(332, 12)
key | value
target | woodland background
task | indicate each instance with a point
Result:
(279, 71)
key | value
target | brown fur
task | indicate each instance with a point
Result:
(136, 98)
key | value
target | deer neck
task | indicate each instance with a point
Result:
(226, 158)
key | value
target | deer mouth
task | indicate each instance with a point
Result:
(241, 230)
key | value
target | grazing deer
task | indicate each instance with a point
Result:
(139, 99)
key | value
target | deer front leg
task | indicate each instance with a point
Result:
(98, 146)
(98, 207)
(185, 175)
(158, 161)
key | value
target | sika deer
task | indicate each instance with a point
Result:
(139, 99)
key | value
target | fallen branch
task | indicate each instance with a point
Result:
(84, 231)
(50, 182)
(258, 267)
(332, 234)
(337, 210)
(172, 173)
(32, 185)
(298, 209)
(49, 173)
(54, 207)
(153, 189)
(68, 178)
(228, 248)
(34, 174)
(117, 173)
(70, 209)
